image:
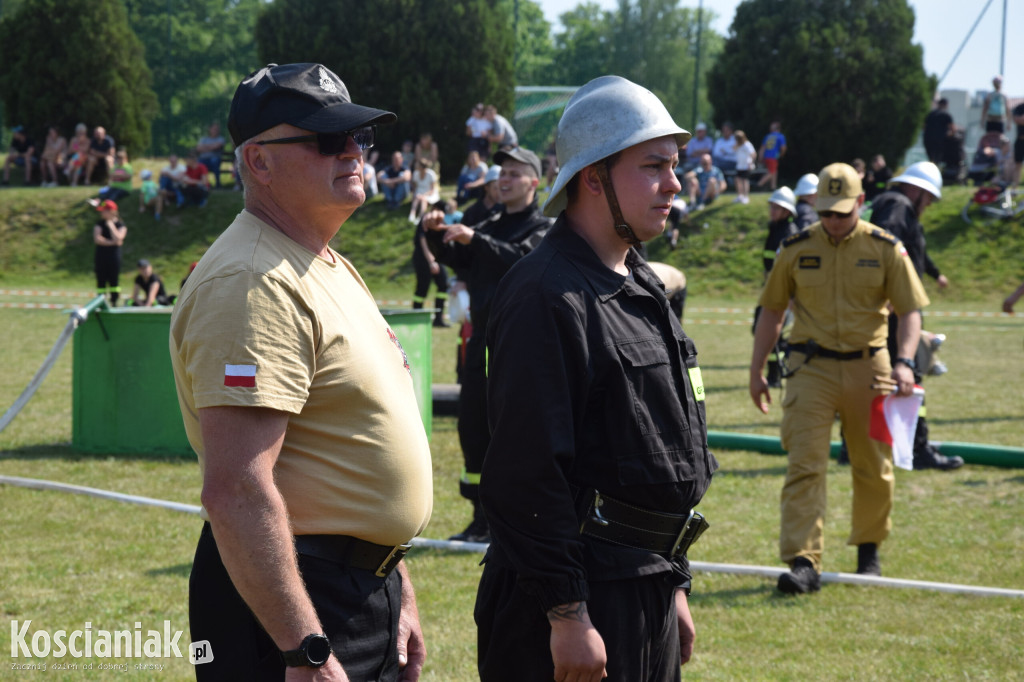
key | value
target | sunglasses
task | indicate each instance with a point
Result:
(332, 144)
(834, 214)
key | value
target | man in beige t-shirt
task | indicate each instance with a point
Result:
(298, 399)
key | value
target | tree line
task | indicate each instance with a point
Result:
(843, 77)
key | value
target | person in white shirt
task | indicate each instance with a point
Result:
(746, 157)
(724, 151)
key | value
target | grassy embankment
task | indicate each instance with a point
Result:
(71, 559)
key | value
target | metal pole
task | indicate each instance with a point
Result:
(696, 67)
(1002, 45)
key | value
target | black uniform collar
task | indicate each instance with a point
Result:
(605, 282)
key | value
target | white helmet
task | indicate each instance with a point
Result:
(923, 174)
(603, 117)
(785, 198)
(807, 184)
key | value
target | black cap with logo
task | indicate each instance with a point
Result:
(307, 96)
(520, 154)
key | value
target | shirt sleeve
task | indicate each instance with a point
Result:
(248, 325)
(536, 384)
(903, 286)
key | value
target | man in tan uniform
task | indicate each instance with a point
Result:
(299, 401)
(839, 273)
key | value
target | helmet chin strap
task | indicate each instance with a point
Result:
(624, 231)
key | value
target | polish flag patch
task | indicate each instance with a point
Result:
(240, 375)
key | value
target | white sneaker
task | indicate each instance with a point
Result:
(937, 340)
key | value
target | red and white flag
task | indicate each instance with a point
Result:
(894, 421)
(240, 375)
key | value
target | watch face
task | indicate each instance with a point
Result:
(318, 650)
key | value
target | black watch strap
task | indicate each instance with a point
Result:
(312, 653)
(909, 362)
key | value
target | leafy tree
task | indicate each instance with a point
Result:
(651, 42)
(428, 62)
(582, 46)
(198, 51)
(534, 51)
(843, 78)
(67, 61)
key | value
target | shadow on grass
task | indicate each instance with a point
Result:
(750, 425)
(724, 367)
(178, 570)
(725, 389)
(752, 473)
(975, 420)
(67, 453)
(717, 596)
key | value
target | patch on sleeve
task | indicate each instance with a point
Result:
(240, 375)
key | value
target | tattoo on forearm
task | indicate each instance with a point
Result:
(576, 611)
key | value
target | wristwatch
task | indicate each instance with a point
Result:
(909, 362)
(312, 653)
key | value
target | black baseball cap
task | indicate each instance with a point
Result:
(520, 154)
(308, 96)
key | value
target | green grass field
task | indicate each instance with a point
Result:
(69, 559)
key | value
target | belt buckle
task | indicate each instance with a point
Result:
(693, 528)
(392, 559)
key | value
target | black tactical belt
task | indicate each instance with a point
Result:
(811, 349)
(352, 552)
(625, 524)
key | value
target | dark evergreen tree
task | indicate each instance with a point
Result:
(429, 62)
(66, 61)
(843, 78)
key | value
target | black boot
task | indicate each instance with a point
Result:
(867, 559)
(930, 458)
(801, 579)
(439, 315)
(926, 456)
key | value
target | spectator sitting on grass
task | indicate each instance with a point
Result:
(195, 184)
(699, 145)
(170, 181)
(210, 148)
(22, 153)
(369, 176)
(78, 148)
(470, 184)
(100, 153)
(52, 158)
(723, 154)
(120, 184)
(149, 287)
(149, 194)
(393, 181)
(705, 184)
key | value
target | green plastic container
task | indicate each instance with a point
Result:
(123, 395)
